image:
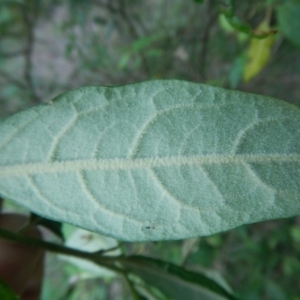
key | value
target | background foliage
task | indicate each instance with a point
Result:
(51, 46)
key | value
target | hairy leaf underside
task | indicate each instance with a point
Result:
(155, 160)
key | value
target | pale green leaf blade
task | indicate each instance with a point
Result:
(154, 160)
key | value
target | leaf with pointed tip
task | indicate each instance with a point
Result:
(175, 281)
(155, 160)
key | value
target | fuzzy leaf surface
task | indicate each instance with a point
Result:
(156, 160)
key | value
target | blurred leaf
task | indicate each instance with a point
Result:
(199, 1)
(225, 24)
(139, 293)
(53, 226)
(144, 42)
(6, 293)
(175, 281)
(228, 28)
(68, 230)
(291, 266)
(295, 233)
(148, 291)
(90, 242)
(54, 288)
(259, 53)
(154, 52)
(189, 246)
(214, 240)
(274, 291)
(205, 256)
(242, 37)
(288, 16)
(140, 45)
(235, 22)
(9, 206)
(124, 60)
(5, 15)
(236, 72)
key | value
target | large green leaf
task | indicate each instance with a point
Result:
(154, 160)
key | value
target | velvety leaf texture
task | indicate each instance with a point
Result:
(156, 160)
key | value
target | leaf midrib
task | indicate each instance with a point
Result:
(142, 163)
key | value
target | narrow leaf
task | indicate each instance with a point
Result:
(175, 281)
(259, 53)
(155, 160)
(288, 16)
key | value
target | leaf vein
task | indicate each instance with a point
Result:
(53, 149)
(141, 163)
(99, 205)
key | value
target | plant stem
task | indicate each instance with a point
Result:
(108, 262)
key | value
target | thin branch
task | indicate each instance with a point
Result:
(36, 243)
(105, 261)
